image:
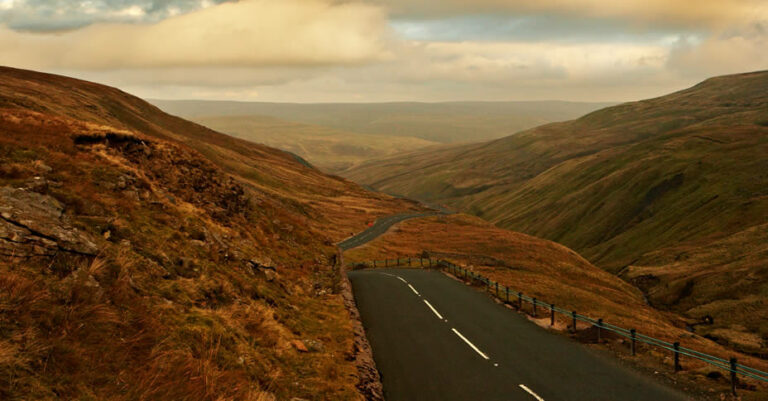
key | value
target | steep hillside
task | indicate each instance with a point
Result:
(671, 193)
(436, 122)
(147, 257)
(326, 148)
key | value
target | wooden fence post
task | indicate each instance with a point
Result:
(678, 368)
(734, 378)
(633, 333)
(552, 314)
(599, 329)
(573, 316)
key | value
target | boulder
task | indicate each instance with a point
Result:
(32, 224)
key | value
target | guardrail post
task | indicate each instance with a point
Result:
(734, 378)
(552, 314)
(573, 316)
(487, 285)
(497, 289)
(421, 262)
(409, 262)
(599, 327)
(519, 301)
(678, 368)
(374, 263)
(534, 307)
(633, 333)
(386, 262)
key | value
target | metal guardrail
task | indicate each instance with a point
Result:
(511, 296)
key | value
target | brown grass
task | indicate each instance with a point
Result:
(171, 308)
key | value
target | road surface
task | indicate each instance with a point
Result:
(434, 338)
(380, 227)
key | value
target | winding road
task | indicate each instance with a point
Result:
(434, 338)
(380, 227)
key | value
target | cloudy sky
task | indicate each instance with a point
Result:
(387, 50)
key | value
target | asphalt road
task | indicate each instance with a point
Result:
(434, 338)
(380, 227)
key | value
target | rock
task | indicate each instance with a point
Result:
(314, 345)
(299, 345)
(37, 184)
(32, 224)
(41, 166)
(263, 266)
(271, 275)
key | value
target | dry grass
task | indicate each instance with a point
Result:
(171, 308)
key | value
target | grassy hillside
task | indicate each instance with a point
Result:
(145, 257)
(326, 148)
(671, 193)
(435, 122)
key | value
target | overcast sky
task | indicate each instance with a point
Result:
(387, 50)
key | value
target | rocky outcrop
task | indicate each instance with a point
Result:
(33, 225)
(369, 380)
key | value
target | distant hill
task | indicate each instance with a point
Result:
(671, 193)
(326, 148)
(435, 122)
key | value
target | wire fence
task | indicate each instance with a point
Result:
(511, 296)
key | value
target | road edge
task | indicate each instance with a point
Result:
(369, 383)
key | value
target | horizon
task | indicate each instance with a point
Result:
(387, 51)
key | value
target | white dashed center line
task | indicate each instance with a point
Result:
(472, 345)
(529, 391)
(413, 289)
(439, 316)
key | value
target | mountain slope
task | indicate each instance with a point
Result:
(639, 189)
(143, 256)
(436, 122)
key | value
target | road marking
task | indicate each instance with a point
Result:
(413, 289)
(471, 345)
(433, 309)
(522, 386)
(398, 277)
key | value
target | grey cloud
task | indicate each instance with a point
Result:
(56, 15)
